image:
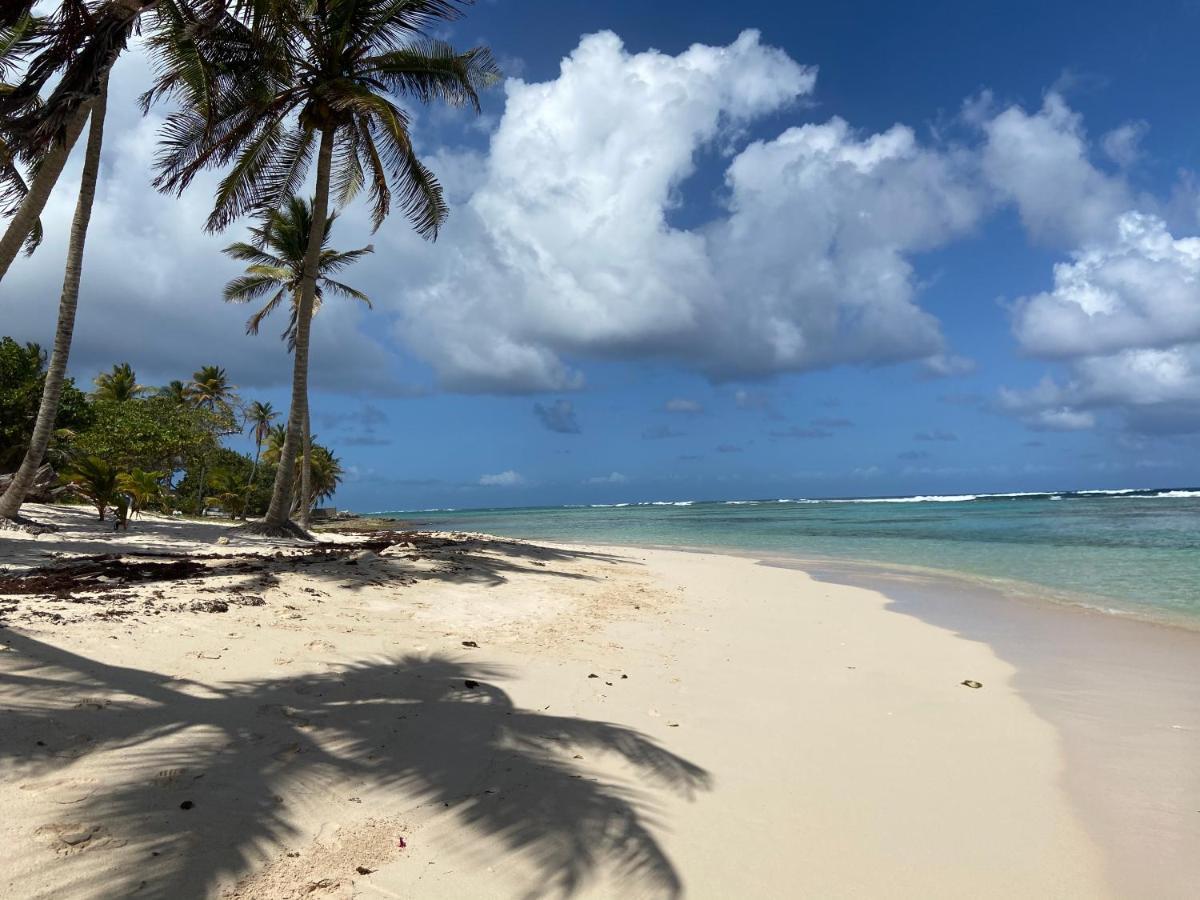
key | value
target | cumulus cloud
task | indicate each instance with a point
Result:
(1123, 311)
(565, 250)
(1139, 290)
(507, 478)
(1041, 163)
(558, 416)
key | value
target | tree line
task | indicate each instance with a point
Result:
(266, 92)
(128, 447)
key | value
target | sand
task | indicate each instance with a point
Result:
(474, 717)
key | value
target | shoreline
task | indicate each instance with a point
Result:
(634, 721)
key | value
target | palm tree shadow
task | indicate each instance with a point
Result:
(199, 778)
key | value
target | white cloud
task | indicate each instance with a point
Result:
(1140, 290)
(566, 249)
(1040, 162)
(1121, 144)
(946, 365)
(683, 405)
(507, 478)
(1124, 309)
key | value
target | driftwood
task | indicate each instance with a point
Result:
(44, 488)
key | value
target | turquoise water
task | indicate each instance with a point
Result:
(1131, 551)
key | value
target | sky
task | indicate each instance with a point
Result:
(714, 251)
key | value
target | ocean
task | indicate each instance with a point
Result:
(1127, 552)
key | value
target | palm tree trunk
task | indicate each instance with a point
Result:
(254, 468)
(43, 429)
(306, 471)
(276, 520)
(43, 183)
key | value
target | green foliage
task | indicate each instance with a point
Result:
(255, 98)
(144, 489)
(95, 479)
(276, 256)
(152, 433)
(22, 376)
(228, 486)
(118, 385)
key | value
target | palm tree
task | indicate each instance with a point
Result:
(119, 385)
(210, 389)
(276, 256)
(286, 78)
(96, 479)
(43, 429)
(176, 392)
(79, 43)
(259, 417)
(17, 40)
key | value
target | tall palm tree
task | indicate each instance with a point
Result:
(259, 417)
(43, 429)
(210, 389)
(118, 385)
(78, 43)
(284, 79)
(17, 41)
(276, 256)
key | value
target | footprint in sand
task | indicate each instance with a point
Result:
(320, 645)
(168, 777)
(69, 838)
(65, 791)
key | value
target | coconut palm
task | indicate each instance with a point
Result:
(276, 256)
(95, 479)
(143, 488)
(259, 417)
(78, 43)
(176, 392)
(17, 39)
(119, 385)
(43, 429)
(210, 389)
(286, 79)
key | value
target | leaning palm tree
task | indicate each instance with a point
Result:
(43, 428)
(259, 417)
(285, 79)
(119, 385)
(78, 45)
(276, 255)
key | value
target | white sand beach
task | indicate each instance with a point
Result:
(462, 716)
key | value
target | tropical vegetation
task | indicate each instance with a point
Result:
(262, 92)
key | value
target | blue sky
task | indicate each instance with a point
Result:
(875, 249)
